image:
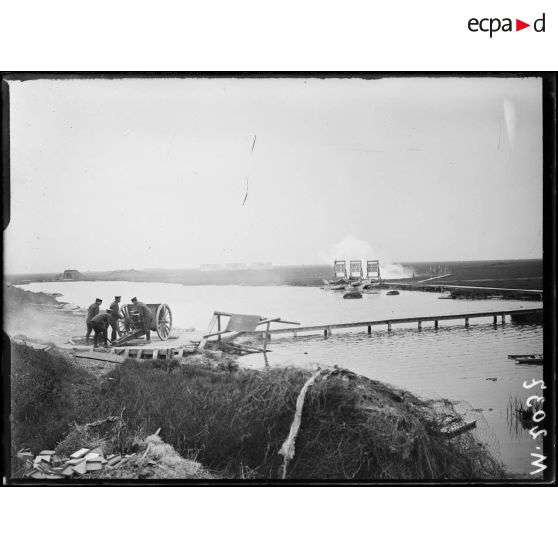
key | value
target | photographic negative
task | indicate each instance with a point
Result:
(279, 278)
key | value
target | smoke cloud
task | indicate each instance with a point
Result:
(353, 248)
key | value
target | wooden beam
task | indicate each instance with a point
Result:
(105, 357)
(453, 431)
(266, 338)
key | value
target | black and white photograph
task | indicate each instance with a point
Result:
(266, 278)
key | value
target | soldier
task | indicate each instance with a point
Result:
(146, 316)
(114, 317)
(92, 311)
(100, 325)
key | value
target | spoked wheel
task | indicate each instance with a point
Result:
(125, 324)
(163, 322)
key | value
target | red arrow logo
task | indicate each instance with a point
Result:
(519, 25)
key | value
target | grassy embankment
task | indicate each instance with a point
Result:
(234, 421)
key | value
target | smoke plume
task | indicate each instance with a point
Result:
(352, 248)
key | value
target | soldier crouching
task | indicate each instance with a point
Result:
(100, 325)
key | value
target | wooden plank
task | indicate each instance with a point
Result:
(453, 431)
(105, 357)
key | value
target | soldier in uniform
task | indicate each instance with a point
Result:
(100, 325)
(146, 316)
(92, 311)
(114, 316)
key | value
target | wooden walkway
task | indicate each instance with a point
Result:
(419, 320)
(445, 287)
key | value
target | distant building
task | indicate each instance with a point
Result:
(70, 275)
(211, 267)
(236, 266)
(261, 265)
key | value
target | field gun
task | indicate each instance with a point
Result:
(130, 326)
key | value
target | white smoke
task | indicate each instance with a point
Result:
(352, 248)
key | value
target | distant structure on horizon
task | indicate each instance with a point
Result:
(356, 271)
(211, 267)
(236, 266)
(261, 265)
(70, 275)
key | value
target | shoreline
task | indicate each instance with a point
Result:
(520, 274)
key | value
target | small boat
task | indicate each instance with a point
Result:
(334, 285)
(446, 295)
(534, 359)
(340, 287)
(392, 293)
(529, 355)
(353, 293)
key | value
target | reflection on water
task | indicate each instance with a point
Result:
(454, 362)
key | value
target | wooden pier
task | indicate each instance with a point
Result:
(535, 294)
(419, 320)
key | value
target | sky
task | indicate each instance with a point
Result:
(174, 173)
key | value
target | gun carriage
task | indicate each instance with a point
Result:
(131, 326)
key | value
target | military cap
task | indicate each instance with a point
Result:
(134, 299)
(99, 300)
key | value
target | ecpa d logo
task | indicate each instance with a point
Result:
(493, 25)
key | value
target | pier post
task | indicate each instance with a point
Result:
(466, 322)
(435, 324)
(389, 326)
(267, 336)
(219, 327)
(325, 333)
(369, 329)
(419, 325)
(503, 318)
(495, 319)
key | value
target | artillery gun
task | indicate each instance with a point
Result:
(130, 326)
